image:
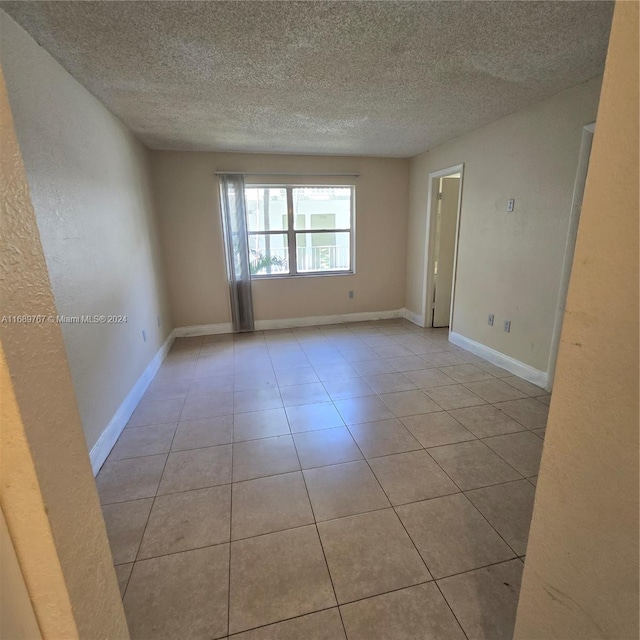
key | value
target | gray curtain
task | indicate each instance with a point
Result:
(234, 223)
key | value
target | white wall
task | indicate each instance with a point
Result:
(509, 264)
(188, 205)
(90, 186)
(581, 574)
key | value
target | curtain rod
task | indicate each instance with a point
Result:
(291, 174)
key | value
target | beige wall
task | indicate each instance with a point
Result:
(509, 264)
(187, 197)
(48, 495)
(89, 181)
(581, 574)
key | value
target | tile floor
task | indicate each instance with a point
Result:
(363, 481)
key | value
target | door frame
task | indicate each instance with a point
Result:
(572, 235)
(428, 264)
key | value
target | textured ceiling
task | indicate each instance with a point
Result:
(365, 78)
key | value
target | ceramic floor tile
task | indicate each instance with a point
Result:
(211, 384)
(407, 363)
(351, 388)
(266, 457)
(370, 554)
(495, 390)
(196, 469)
(435, 429)
(393, 351)
(125, 523)
(325, 447)
(291, 377)
(323, 625)
(539, 432)
(412, 476)
(442, 359)
(304, 394)
(428, 378)
(277, 576)
(143, 441)
(452, 536)
(383, 437)
(486, 421)
(409, 403)
(525, 386)
(472, 465)
(521, 450)
(336, 371)
(529, 412)
(207, 405)
(359, 354)
(182, 595)
(123, 572)
(454, 397)
(252, 381)
(365, 409)
(495, 371)
(464, 373)
(389, 382)
(121, 480)
(375, 367)
(415, 613)
(485, 601)
(343, 489)
(156, 412)
(256, 400)
(508, 507)
(195, 434)
(187, 520)
(270, 504)
(309, 417)
(260, 424)
(546, 400)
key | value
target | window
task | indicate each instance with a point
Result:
(300, 230)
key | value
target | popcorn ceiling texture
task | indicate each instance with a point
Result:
(363, 78)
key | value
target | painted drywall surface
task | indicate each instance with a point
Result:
(48, 495)
(17, 619)
(509, 264)
(581, 573)
(186, 192)
(90, 186)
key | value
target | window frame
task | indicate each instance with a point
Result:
(291, 232)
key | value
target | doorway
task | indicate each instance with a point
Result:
(445, 190)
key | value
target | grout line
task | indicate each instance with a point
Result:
(273, 346)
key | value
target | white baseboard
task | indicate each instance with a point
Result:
(310, 321)
(203, 330)
(414, 317)
(107, 439)
(512, 365)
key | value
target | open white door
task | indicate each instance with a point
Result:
(445, 247)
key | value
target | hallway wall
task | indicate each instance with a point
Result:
(90, 186)
(509, 264)
(581, 575)
(188, 205)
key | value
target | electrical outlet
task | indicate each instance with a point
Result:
(507, 326)
(490, 321)
(144, 335)
(351, 295)
(159, 322)
(511, 205)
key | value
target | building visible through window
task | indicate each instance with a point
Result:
(300, 230)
